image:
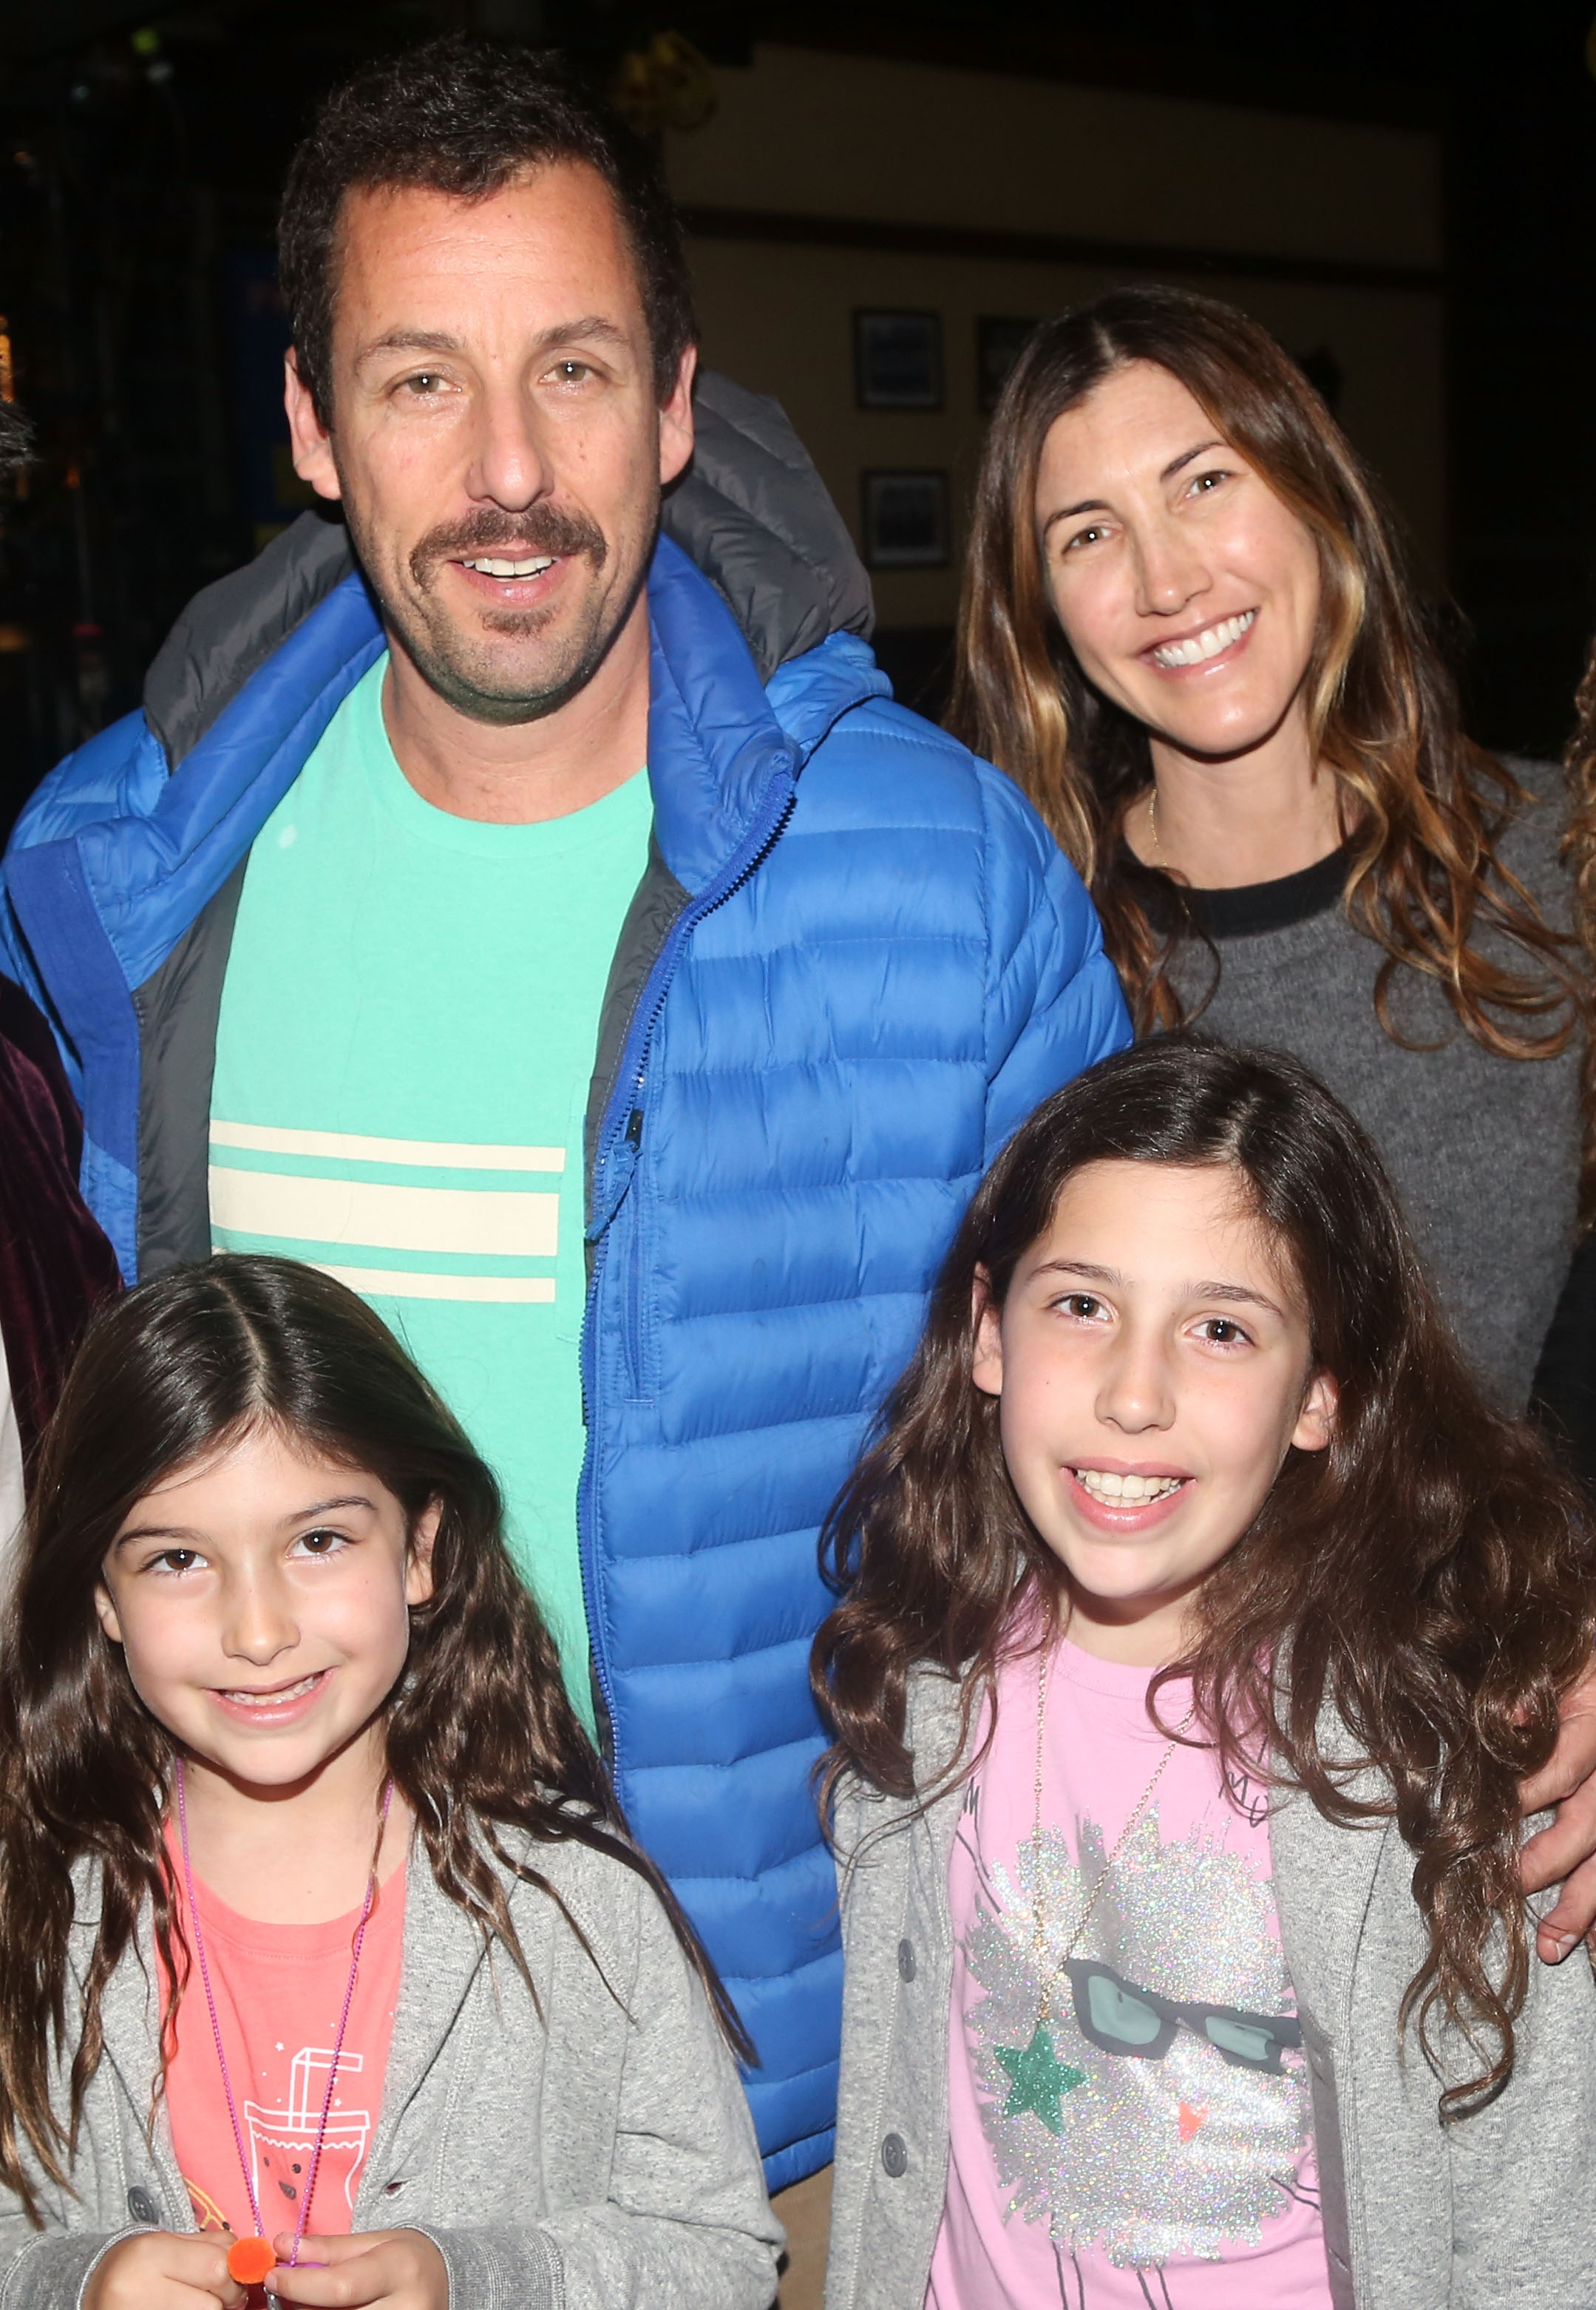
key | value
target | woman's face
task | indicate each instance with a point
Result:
(1188, 592)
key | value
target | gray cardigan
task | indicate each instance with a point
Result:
(598, 2159)
(1495, 2212)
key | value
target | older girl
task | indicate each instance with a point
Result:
(1201, 1619)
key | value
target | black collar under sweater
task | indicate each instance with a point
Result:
(1252, 908)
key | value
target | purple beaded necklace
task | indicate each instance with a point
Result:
(254, 2254)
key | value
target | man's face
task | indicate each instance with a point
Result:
(496, 438)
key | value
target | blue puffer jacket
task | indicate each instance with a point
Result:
(856, 963)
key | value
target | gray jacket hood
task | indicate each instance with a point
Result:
(751, 511)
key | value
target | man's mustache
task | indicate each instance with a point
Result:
(540, 529)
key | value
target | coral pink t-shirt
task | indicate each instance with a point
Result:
(280, 1990)
(1150, 2141)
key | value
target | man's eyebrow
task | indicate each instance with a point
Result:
(590, 328)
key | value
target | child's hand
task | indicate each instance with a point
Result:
(157, 2270)
(400, 2269)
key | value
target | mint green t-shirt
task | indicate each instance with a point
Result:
(406, 1039)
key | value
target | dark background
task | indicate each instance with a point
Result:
(140, 154)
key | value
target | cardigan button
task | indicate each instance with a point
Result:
(905, 1960)
(143, 2206)
(895, 2156)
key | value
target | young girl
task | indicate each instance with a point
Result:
(325, 1958)
(1203, 1620)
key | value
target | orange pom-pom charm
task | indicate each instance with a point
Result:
(249, 2259)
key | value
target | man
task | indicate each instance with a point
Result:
(577, 952)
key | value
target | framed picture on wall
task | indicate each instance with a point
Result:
(898, 361)
(998, 342)
(907, 523)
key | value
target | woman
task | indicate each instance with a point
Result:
(1188, 634)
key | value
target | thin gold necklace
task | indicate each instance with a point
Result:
(1039, 1925)
(1038, 2079)
(1152, 825)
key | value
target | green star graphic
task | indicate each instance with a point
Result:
(1041, 2081)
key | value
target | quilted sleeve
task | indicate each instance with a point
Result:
(1053, 1004)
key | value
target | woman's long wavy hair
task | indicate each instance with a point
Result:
(480, 1736)
(1424, 808)
(1430, 1576)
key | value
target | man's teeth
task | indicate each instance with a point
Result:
(1127, 1490)
(513, 568)
(1208, 644)
(274, 1700)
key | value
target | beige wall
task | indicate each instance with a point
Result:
(808, 135)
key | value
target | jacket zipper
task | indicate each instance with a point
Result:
(627, 1098)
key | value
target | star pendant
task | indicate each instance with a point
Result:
(1041, 2081)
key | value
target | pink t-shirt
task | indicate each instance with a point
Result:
(1142, 2147)
(279, 1990)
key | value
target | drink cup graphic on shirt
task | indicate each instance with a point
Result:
(282, 2141)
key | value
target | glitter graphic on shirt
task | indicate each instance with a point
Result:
(1153, 2159)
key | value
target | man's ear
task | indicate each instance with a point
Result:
(107, 1612)
(676, 420)
(1317, 1422)
(417, 1569)
(986, 1368)
(312, 443)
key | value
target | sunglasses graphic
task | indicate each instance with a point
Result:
(1118, 2018)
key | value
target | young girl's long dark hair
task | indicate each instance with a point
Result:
(1430, 1576)
(481, 1735)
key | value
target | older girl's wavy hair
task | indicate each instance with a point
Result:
(1431, 1575)
(1425, 808)
(482, 1738)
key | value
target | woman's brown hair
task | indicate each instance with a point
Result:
(1430, 1576)
(481, 1735)
(1424, 807)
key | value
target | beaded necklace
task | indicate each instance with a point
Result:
(248, 2260)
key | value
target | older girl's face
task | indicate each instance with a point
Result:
(1153, 1365)
(1188, 592)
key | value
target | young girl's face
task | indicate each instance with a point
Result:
(1152, 1359)
(261, 1599)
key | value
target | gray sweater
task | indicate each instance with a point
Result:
(601, 2157)
(1484, 1152)
(1495, 2212)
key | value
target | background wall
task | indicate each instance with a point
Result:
(1402, 194)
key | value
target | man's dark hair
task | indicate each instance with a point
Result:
(463, 115)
